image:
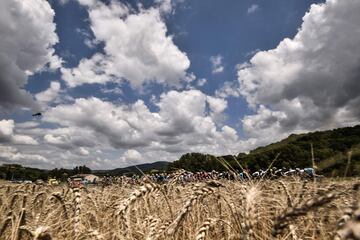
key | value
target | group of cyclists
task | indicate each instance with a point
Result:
(281, 172)
(183, 176)
(187, 176)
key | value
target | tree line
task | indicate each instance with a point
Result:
(18, 172)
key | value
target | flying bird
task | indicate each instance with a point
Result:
(37, 114)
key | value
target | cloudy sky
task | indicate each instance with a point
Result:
(123, 82)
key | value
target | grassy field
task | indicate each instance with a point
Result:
(288, 208)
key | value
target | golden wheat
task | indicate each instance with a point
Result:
(254, 209)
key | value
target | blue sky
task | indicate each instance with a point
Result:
(201, 29)
(125, 82)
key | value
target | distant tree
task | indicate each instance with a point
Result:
(81, 170)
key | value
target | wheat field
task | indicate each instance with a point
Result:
(288, 208)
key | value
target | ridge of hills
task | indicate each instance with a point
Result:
(332, 150)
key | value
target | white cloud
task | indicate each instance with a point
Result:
(83, 151)
(230, 133)
(263, 124)
(105, 135)
(217, 64)
(201, 82)
(137, 48)
(7, 134)
(217, 107)
(29, 124)
(309, 82)
(63, 2)
(89, 41)
(114, 90)
(190, 77)
(165, 6)
(186, 121)
(55, 63)
(88, 3)
(26, 45)
(23, 139)
(49, 94)
(229, 89)
(118, 124)
(253, 8)
(71, 138)
(251, 53)
(13, 155)
(131, 157)
(6, 128)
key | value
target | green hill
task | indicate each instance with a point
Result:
(146, 167)
(18, 172)
(331, 149)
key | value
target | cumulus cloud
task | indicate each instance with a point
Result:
(71, 138)
(26, 45)
(49, 94)
(228, 89)
(201, 82)
(217, 64)
(253, 8)
(63, 2)
(83, 151)
(7, 134)
(217, 107)
(104, 119)
(25, 125)
(113, 90)
(131, 157)
(10, 154)
(88, 38)
(179, 110)
(165, 6)
(186, 121)
(310, 81)
(104, 135)
(137, 48)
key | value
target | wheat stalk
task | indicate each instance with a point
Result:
(201, 234)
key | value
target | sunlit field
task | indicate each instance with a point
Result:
(286, 208)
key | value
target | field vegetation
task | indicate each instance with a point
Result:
(284, 208)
